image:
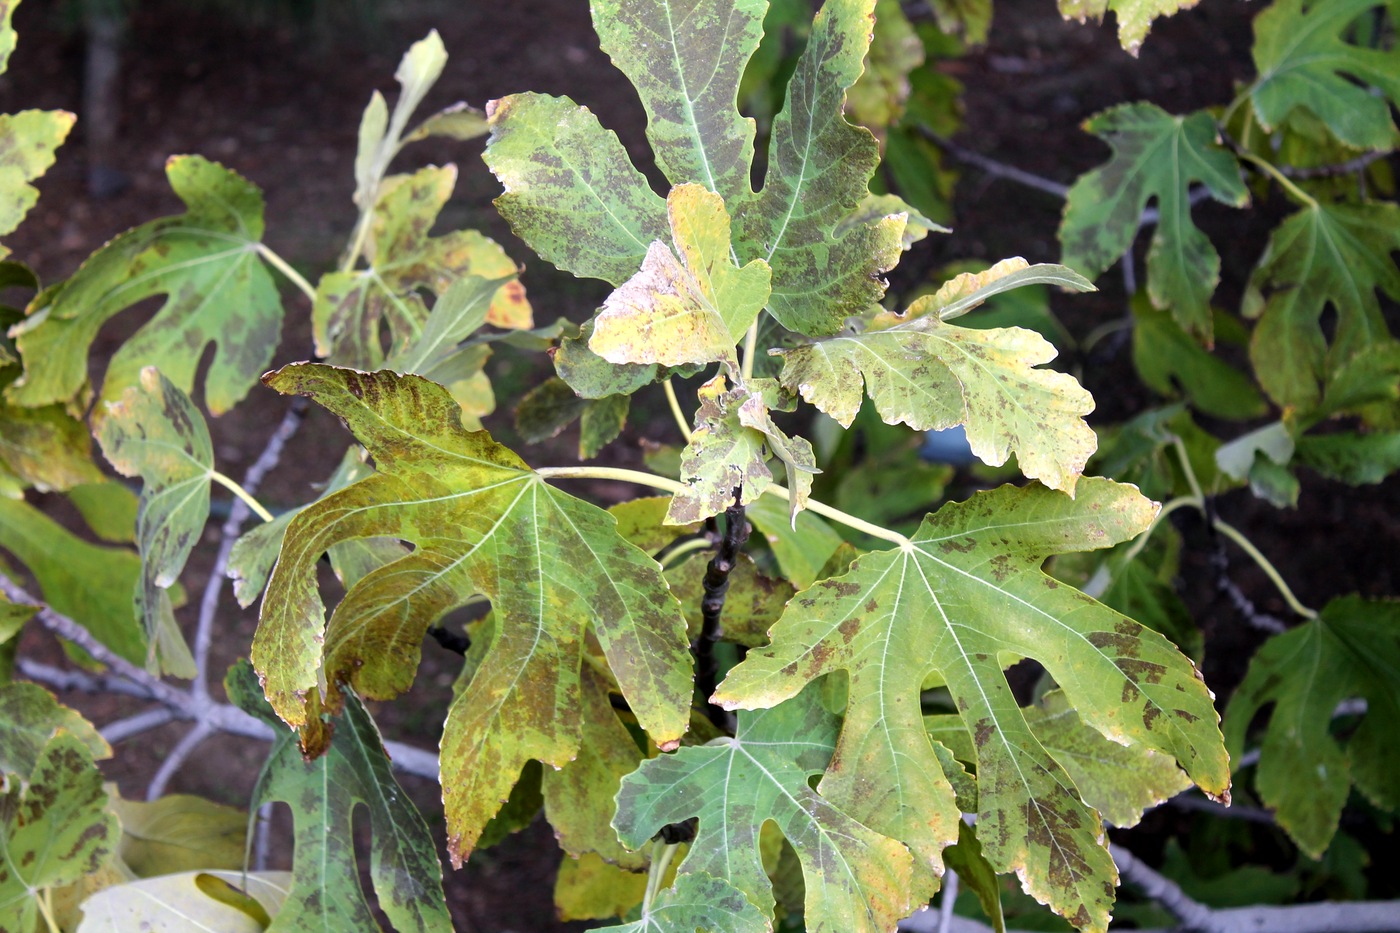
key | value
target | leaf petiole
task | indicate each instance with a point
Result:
(46, 908)
(1197, 500)
(666, 484)
(676, 409)
(1246, 545)
(233, 487)
(1272, 171)
(661, 856)
(750, 350)
(670, 558)
(284, 267)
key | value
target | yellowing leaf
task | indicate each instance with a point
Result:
(205, 261)
(877, 99)
(857, 881)
(155, 432)
(929, 374)
(45, 447)
(323, 795)
(27, 144)
(1156, 156)
(1350, 651)
(30, 717)
(579, 798)
(1303, 62)
(588, 888)
(352, 307)
(963, 599)
(177, 903)
(482, 522)
(692, 311)
(180, 832)
(1135, 17)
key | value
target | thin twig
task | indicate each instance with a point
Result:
(120, 729)
(993, 167)
(176, 759)
(1195, 195)
(237, 515)
(950, 897)
(1167, 893)
(1340, 168)
(184, 704)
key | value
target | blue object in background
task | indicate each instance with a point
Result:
(947, 446)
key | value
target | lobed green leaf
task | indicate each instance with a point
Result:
(155, 432)
(205, 262)
(1304, 63)
(1350, 651)
(323, 795)
(969, 591)
(482, 522)
(1156, 156)
(856, 879)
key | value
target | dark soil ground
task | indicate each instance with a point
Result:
(282, 106)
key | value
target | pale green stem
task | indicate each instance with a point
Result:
(46, 908)
(361, 234)
(661, 855)
(684, 548)
(621, 474)
(674, 486)
(241, 493)
(1235, 535)
(675, 404)
(284, 267)
(844, 518)
(1104, 330)
(1189, 473)
(1246, 545)
(1281, 178)
(1229, 113)
(750, 350)
(1167, 509)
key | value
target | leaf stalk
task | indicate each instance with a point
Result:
(666, 484)
(232, 486)
(284, 267)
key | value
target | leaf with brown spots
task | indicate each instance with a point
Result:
(55, 827)
(929, 374)
(323, 795)
(156, 433)
(726, 460)
(964, 597)
(573, 194)
(553, 566)
(206, 262)
(857, 881)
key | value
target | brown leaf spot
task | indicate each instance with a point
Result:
(1141, 671)
(962, 547)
